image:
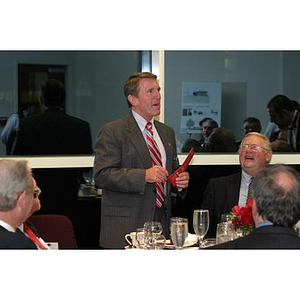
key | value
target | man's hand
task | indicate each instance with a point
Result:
(182, 181)
(156, 174)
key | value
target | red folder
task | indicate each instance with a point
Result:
(182, 168)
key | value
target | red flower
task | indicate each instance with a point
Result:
(242, 217)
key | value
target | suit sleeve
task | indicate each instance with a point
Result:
(117, 167)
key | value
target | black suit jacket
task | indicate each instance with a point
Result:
(11, 240)
(220, 195)
(266, 237)
(55, 133)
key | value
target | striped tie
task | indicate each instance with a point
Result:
(156, 160)
(249, 195)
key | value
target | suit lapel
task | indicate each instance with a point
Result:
(136, 137)
(233, 190)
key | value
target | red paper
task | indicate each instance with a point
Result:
(182, 168)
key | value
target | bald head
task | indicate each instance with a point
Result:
(276, 191)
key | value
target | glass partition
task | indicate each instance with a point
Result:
(94, 83)
(240, 82)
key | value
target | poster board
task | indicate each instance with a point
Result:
(199, 100)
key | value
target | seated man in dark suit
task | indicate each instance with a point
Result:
(275, 210)
(222, 193)
(18, 199)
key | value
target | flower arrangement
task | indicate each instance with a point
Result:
(242, 218)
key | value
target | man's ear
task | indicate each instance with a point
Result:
(21, 199)
(255, 214)
(133, 100)
(269, 156)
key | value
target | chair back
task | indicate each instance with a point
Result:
(55, 228)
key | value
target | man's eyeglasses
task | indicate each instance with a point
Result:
(36, 193)
(252, 147)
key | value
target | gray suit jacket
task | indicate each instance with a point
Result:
(220, 195)
(121, 157)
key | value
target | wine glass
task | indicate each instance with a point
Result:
(201, 224)
(153, 226)
(225, 218)
(208, 243)
(179, 231)
(153, 237)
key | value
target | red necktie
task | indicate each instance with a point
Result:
(156, 160)
(33, 237)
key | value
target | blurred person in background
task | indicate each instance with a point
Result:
(284, 113)
(9, 132)
(53, 132)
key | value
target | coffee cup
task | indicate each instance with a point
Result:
(131, 238)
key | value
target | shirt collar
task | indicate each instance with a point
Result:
(7, 226)
(264, 224)
(246, 176)
(21, 227)
(140, 120)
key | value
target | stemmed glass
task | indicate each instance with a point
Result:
(153, 237)
(153, 226)
(201, 224)
(225, 218)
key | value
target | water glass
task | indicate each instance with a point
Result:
(179, 231)
(225, 232)
(140, 238)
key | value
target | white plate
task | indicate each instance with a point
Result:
(192, 240)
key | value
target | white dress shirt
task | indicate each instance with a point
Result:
(142, 124)
(7, 226)
(246, 179)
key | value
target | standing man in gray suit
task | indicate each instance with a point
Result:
(124, 170)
